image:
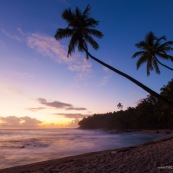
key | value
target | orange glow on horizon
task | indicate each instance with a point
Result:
(54, 124)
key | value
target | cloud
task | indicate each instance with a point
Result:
(104, 80)
(35, 109)
(49, 47)
(59, 105)
(27, 121)
(77, 109)
(20, 31)
(73, 123)
(72, 115)
(11, 36)
(19, 122)
(55, 104)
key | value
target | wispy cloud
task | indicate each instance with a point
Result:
(59, 105)
(11, 36)
(105, 80)
(19, 122)
(76, 108)
(72, 115)
(49, 47)
(36, 109)
(21, 32)
(73, 123)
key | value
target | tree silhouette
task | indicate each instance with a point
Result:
(119, 106)
(81, 29)
(152, 48)
(150, 113)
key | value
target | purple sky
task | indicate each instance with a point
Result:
(40, 86)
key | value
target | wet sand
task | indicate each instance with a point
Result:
(151, 157)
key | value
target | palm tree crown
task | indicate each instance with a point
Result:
(81, 30)
(151, 49)
(119, 106)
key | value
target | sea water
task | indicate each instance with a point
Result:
(20, 147)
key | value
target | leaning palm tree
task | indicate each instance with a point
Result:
(81, 29)
(152, 49)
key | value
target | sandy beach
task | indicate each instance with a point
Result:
(151, 157)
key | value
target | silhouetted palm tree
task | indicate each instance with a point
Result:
(119, 106)
(81, 29)
(152, 48)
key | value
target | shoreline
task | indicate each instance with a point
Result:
(144, 157)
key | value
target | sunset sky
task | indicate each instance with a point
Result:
(41, 87)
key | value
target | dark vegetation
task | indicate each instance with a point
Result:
(153, 112)
(150, 113)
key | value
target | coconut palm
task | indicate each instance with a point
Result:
(119, 106)
(152, 49)
(81, 29)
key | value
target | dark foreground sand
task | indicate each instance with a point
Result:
(151, 157)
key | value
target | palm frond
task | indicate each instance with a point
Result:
(155, 65)
(140, 61)
(157, 43)
(149, 66)
(63, 33)
(73, 43)
(141, 53)
(78, 13)
(82, 47)
(68, 15)
(165, 56)
(166, 46)
(141, 45)
(150, 38)
(91, 23)
(87, 11)
(95, 33)
(93, 43)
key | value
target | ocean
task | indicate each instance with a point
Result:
(20, 147)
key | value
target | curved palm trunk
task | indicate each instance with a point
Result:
(128, 77)
(163, 64)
